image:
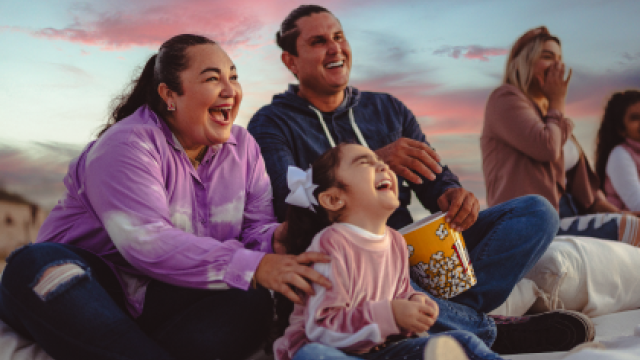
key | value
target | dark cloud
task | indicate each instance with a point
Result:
(631, 57)
(472, 52)
(36, 170)
(589, 92)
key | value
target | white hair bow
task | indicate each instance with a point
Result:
(301, 186)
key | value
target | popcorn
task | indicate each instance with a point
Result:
(443, 276)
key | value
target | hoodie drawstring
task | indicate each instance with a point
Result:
(354, 126)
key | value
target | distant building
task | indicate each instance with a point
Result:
(20, 221)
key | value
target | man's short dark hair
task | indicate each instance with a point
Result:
(287, 36)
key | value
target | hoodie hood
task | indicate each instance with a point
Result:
(290, 99)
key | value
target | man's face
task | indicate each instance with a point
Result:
(323, 63)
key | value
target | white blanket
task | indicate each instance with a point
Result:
(593, 276)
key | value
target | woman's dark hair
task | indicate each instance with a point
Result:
(163, 67)
(303, 224)
(287, 36)
(612, 128)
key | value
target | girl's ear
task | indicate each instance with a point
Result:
(332, 199)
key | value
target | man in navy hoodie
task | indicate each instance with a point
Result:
(504, 241)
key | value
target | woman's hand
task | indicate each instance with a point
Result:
(280, 272)
(414, 315)
(554, 86)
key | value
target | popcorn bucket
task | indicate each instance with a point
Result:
(438, 257)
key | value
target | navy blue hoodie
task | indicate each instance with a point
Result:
(289, 132)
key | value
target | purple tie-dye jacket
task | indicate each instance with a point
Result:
(134, 199)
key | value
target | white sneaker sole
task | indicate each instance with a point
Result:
(444, 347)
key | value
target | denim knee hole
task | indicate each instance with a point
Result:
(56, 278)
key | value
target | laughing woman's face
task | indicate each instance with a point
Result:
(211, 96)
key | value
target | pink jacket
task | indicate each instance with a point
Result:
(355, 314)
(522, 153)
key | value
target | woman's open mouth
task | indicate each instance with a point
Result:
(221, 114)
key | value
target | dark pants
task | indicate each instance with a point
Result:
(85, 318)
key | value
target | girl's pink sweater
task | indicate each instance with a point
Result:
(367, 272)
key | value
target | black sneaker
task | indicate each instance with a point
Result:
(558, 330)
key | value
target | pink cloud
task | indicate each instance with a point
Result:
(148, 23)
(439, 112)
(151, 25)
(472, 52)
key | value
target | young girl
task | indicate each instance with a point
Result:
(618, 150)
(371, 311)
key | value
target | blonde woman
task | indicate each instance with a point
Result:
(528, 146)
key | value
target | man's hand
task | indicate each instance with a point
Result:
(278, 272)
(461, 206)
(413, 316)
(404, 156)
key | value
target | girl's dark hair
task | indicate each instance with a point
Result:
(303, 224)
(287, 36)
(163, 67)
(612, 127)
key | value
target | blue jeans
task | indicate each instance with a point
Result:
(409, 349)
(503, 244)
(85, 317)
(572, 223)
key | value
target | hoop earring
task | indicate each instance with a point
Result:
(171, 107)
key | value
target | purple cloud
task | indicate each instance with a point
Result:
(472, 52)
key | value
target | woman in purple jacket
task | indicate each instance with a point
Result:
(157, 250)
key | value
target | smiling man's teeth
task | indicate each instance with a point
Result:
(335, 64)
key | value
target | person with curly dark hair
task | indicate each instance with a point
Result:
(618, 150)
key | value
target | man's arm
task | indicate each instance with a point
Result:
(411, 154)
(442, 193)
(277, 155)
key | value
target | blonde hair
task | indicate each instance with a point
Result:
(519, 69)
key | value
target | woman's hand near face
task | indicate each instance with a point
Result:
(280, 272)
(554, 85)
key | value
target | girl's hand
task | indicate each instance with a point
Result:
(424, 299)
(554, 86)
(280, 272)
(413, 315)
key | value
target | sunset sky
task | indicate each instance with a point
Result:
(63, 61)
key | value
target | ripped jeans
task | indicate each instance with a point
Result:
(70, 302)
